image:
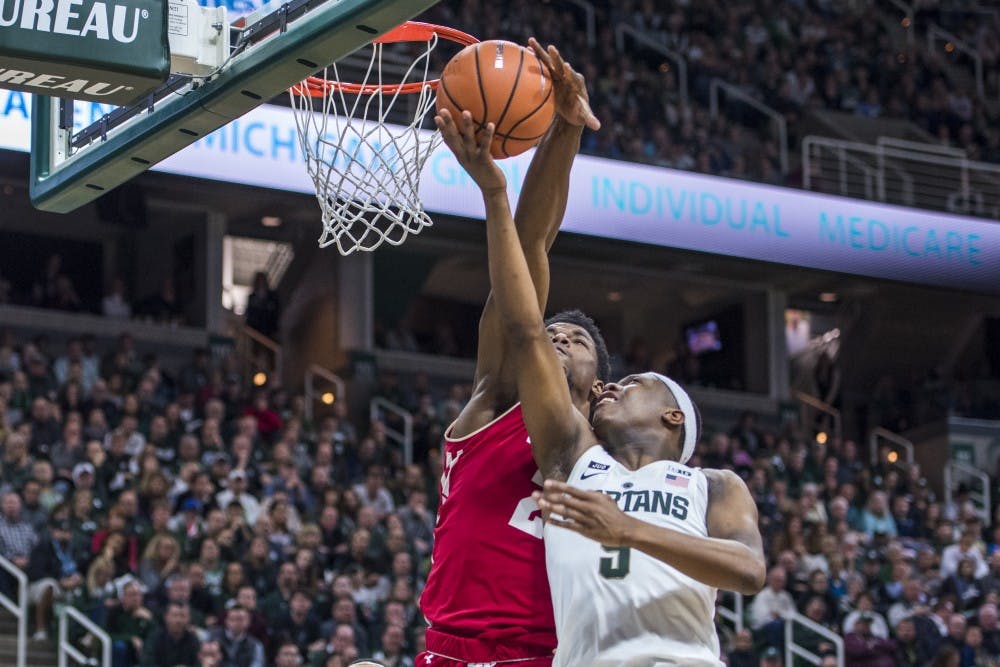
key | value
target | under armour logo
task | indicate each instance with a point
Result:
(449, 465)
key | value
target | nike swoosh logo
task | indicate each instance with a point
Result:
(593, 474)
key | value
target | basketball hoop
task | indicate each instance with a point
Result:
(366, 171)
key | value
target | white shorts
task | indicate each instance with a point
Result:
(36, 589)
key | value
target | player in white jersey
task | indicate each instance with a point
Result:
(633, 576)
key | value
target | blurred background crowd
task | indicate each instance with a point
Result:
(186, 510)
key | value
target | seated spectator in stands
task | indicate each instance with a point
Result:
(160, 559)
(987, 619)
(115, 305)
(277, 603)
(268, 421)
(962, 585)
(911, 650)
(913, 602)
(65, 297)
(17, 536)
(45, 428)
(15, 468)
(373, 493)
(392, 652)
(973, 652)
(344, 611)
(956, 627)
(239, 647)
(815, 611)
(174, 643)
(52, 571)
(236, 492)
(298, 624)
(964, 548)
(771, 607)
(129, 624)
(340, 644)
(866, 607)
(32, 510)
(246, 598)
(162, 307)
(876, 517)
(288, 655)
(863, 649)
(263, 311)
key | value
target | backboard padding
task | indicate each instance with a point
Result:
(324, 34)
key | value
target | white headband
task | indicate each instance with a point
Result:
(690, 416)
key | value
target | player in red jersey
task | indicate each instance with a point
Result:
(487, 595)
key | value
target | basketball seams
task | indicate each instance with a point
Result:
(510, 98)
(521, 106)
(482, 91)
(451, 98)
(527, 116)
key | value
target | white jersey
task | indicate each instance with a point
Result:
(618, 606)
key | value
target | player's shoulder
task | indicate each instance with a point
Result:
(723, 483)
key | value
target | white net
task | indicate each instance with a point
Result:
(366, 169)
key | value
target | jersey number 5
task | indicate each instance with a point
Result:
(616, 565)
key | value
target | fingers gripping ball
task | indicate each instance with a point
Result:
(501, 83)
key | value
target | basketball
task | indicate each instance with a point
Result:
(502, 83)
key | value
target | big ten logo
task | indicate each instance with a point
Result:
(527, 517)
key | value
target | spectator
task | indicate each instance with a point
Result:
(288, 655)
(236, 492)
(162, 307)
(174, 643)
(239, 648)
(964, 548)
(17, 537)
(773, 603)
(374, 494)
(299, 624)
(864, 649)
(52, 571)
(129, 625)
(263, 310)
(15, 468)
(910, 651)
(392, 654)
(115, 305)
(876, 517)
(962, 585)
(877, 626)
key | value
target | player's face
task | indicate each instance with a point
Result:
(632, 402)
(576, 352)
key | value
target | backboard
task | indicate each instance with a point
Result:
(271, 50)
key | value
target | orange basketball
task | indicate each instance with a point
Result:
(501, 83)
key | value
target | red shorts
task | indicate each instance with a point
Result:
(426, 659)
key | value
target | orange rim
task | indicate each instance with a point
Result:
(411, 31)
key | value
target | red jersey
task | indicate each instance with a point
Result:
(487, 595)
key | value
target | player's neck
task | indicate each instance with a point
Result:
(637, 449)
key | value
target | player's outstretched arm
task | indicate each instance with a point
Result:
(540, 210)
(547, 406)
(542, 203)
(730, 558)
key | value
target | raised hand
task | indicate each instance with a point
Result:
(570, 90)
(472, 153)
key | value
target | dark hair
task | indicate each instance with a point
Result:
(579, 318)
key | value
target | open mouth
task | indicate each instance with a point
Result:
(606, 397)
